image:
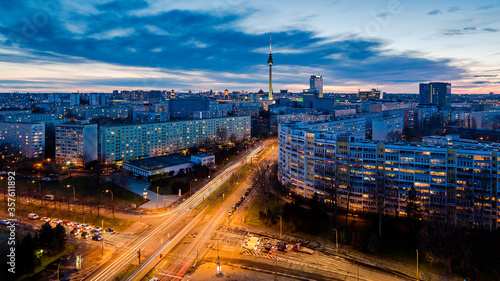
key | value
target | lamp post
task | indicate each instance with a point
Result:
(417, 265)
(358, 267)
(281, 224)
(336, 240)
(190, 186)
(157, 192)
(59, 266)
(102, 224)
(112, 201)
(40, 188)
(74, 197)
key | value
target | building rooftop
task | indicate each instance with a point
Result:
(203, 155)
(159, 162)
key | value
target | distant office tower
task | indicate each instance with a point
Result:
(172, 94)
(94, 99)
(270, 61)
(183, 108)
(75, 99)
(154, 96)
(316, 85)
(370, 95)
(436, 93)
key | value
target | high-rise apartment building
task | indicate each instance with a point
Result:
(76, 143)
(27, 139)
(453, 180)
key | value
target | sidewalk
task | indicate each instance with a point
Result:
(139, 186)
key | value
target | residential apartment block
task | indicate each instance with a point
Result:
(76, 143)
(27, 139)
(120, 142)
(453, 180)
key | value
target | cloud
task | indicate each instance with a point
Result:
(485, 7)
(491, 29)
(468, 30)
(453, 9)
(208, 44)
(435, 12)
(485, 75)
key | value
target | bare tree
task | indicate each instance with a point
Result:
(394, 135)
(260, 181)
(222, 134)
(329, 184)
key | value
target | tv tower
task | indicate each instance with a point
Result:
(270, 62)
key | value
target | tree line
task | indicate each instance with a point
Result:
(52, 240)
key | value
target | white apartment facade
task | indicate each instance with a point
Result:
(76, 143)
(453, 181)
(27, 139)
(121, 142)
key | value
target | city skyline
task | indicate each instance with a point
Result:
(68, 46)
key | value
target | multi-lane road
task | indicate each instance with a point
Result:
(162, 234)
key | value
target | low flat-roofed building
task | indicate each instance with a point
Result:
(148, 167)
(203, 159)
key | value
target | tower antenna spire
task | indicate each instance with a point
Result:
(270, 42)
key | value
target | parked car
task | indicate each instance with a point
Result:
(33, 216)
(96, 237)
(250, 246)
(86, 226)
(109, 230)
(85, 235)
(77, 225)
(14, 223)
(5, 222)
(231, 212)
(45, 219)
(67, 223)
(97, 228)
(77, 230)
(56, 221)
(95, 231)
(73, 232)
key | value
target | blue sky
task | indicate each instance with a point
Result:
(63, 45)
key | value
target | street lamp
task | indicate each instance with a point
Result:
(112, 201)
(281, 224)
(190, 186)
(336, 240)
(358, 267)
(157, 192)
(59, 266)
(40, 188)
(417, 265)
(41, 258)
(74, 197)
